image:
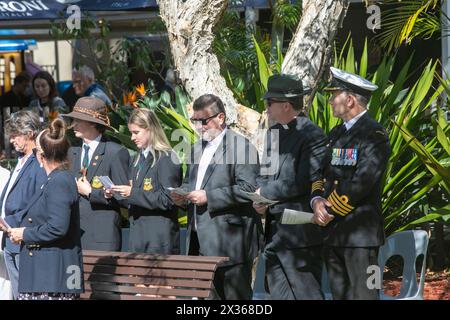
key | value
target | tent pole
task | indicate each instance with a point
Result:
(57, 60)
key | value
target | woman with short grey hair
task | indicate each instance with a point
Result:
(23, 127)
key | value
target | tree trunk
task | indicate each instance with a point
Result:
(311, 46)
(189, 25)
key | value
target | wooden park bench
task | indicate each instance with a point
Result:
(134, 276)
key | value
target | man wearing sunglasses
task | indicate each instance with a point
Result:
(221, 220)
(292, 252)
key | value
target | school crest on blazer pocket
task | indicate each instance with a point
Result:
(148, 184)
(96, 184)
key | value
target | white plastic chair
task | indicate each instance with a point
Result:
(409, 245)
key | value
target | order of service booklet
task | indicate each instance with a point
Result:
(259, 199)
(290, 216)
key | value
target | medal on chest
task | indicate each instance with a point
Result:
(344, 157)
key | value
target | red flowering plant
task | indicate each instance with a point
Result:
(172, 114)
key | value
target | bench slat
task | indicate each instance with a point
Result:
(150, 291)
(168, 273)
(111, 296)
(150, 263)
(201, 284)
(139, 276)
(144, 256)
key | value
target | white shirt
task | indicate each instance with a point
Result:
(206, 158)
(146, 152)
(350, 123)
(92, 146)
(4, 176)
(15, 174)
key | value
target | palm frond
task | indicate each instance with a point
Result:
(403, 21)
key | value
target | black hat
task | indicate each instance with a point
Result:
(285, 86)
(343, 80)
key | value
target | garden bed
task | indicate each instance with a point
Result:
(437, 286)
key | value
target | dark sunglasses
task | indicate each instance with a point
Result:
(204, 121)
(269, 102)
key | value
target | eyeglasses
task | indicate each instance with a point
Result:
(205, 121)
(269, 102)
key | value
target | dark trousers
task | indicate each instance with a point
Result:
(230, 282)
(347, 272)
(294, 274)
(233, 282)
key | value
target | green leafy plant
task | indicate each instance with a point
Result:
(417, 132)
(417, 171)
(403, 21)
(114, 62)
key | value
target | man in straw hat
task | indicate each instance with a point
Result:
(99, 217)
(292, 252)
(347, 199)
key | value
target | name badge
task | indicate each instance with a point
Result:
(344, 157)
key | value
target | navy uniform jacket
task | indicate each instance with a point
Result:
(29, 180)
(227, 225)
(154, 224)
(301, 148)
(100, 217)
(352, 175)
(50, 255)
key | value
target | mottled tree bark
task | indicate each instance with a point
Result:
(311, 46)
(190, 24)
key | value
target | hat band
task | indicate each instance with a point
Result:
(339, 85)
(95, 114)
(283, 91)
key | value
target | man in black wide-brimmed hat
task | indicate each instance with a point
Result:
(99, 217)
(292, 252)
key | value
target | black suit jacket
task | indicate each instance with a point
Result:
(354, 186)
(227, 225)
(301, 147)
(100, 217)
(154, 224)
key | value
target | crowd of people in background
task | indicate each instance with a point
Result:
(55, 203)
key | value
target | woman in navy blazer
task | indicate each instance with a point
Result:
(49, 233)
